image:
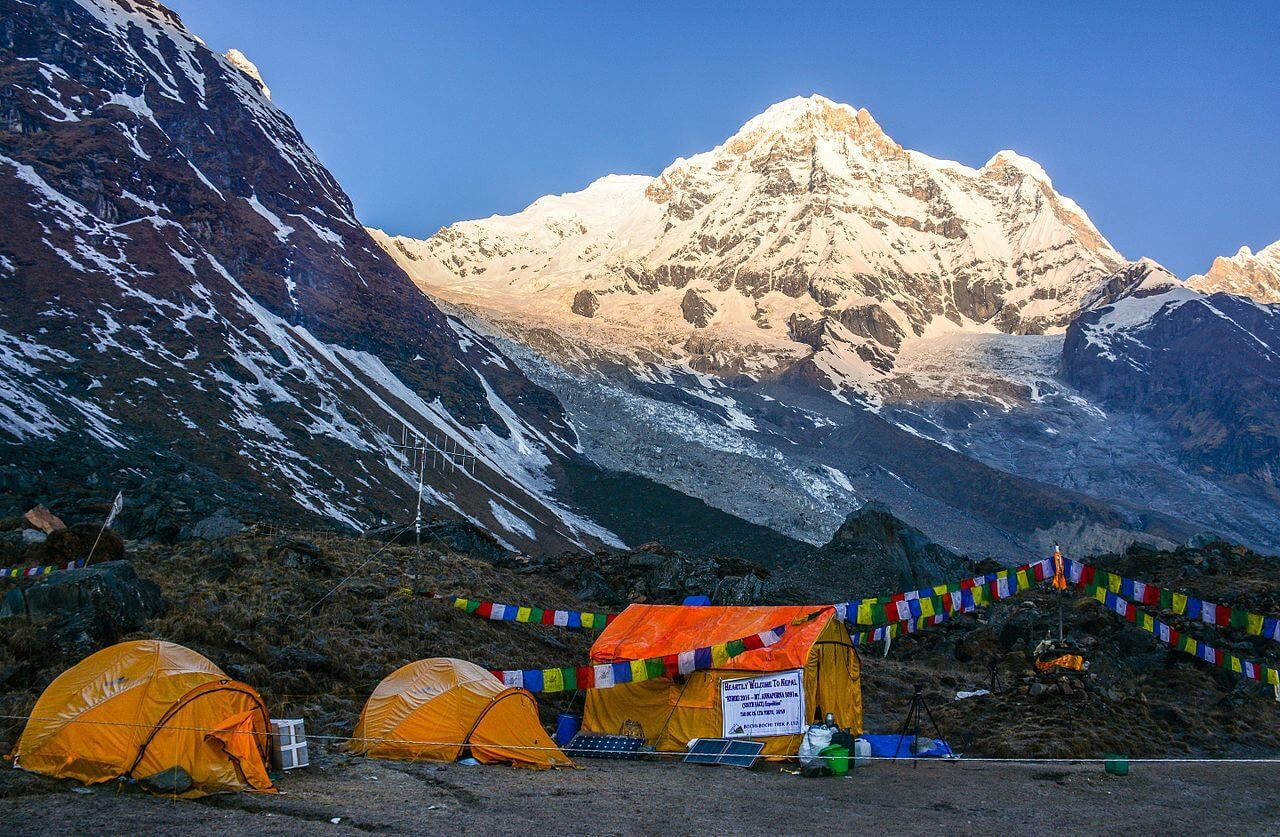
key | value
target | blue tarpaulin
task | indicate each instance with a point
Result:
(883, 746)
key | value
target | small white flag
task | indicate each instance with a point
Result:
(685, 662)
(116, 506)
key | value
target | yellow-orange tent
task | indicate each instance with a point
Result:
(672, 712)
(151, 711)
(434, 709)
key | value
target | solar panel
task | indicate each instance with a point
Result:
(742, 753)
(726, 751)
(706, 750)
(604, 746)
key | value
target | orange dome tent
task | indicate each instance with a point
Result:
(434, 709)
(672, 712)
(151, 711)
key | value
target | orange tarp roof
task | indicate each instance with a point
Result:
(644, 630)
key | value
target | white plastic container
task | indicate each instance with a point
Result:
(861, 752)
(288, 743)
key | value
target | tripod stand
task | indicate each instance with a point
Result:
(912, 722)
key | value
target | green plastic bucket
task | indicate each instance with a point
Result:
(836, 758)
(1116, 764)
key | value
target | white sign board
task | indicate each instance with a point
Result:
(771, 704)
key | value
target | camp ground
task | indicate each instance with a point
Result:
(658, 714)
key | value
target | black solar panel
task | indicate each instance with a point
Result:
(731, 752)
(706, 750)
(604, 746)
(742, 753)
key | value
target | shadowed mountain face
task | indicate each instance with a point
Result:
(1204, 367)
(189, 309)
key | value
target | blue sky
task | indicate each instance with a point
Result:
(1162, 121)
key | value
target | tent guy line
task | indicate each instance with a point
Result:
(679, 755)
(352, 574)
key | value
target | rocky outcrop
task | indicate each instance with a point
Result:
(220, 524)
(86, 609)
(656, 574)
(696, 309)
(585, 304)
(452, 534)
(872, 553)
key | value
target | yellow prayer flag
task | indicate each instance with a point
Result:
(639, 671)
(523, 614)
(719, 655)
(552, 680)
(864, 613)
(1253, 624)
(588, 620)
(1179, 603)
(926, 607)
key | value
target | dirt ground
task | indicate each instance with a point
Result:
(607, 797)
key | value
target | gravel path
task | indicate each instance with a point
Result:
(624, 798)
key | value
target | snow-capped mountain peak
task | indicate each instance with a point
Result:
(808, 232)
(241, 62)
(1255, 275)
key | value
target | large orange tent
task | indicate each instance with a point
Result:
(672, 712)
(435, 709)
(152, 711)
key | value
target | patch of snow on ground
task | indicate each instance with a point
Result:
(508, 520)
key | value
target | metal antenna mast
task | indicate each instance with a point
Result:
(447, 456)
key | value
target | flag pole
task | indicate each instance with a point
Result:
(89, 560)
(1060, 584)
(116, 505)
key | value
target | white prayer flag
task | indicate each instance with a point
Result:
(116, 506)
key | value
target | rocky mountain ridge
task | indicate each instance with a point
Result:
(1255, 275)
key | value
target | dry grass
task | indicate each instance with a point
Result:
(320, 665)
